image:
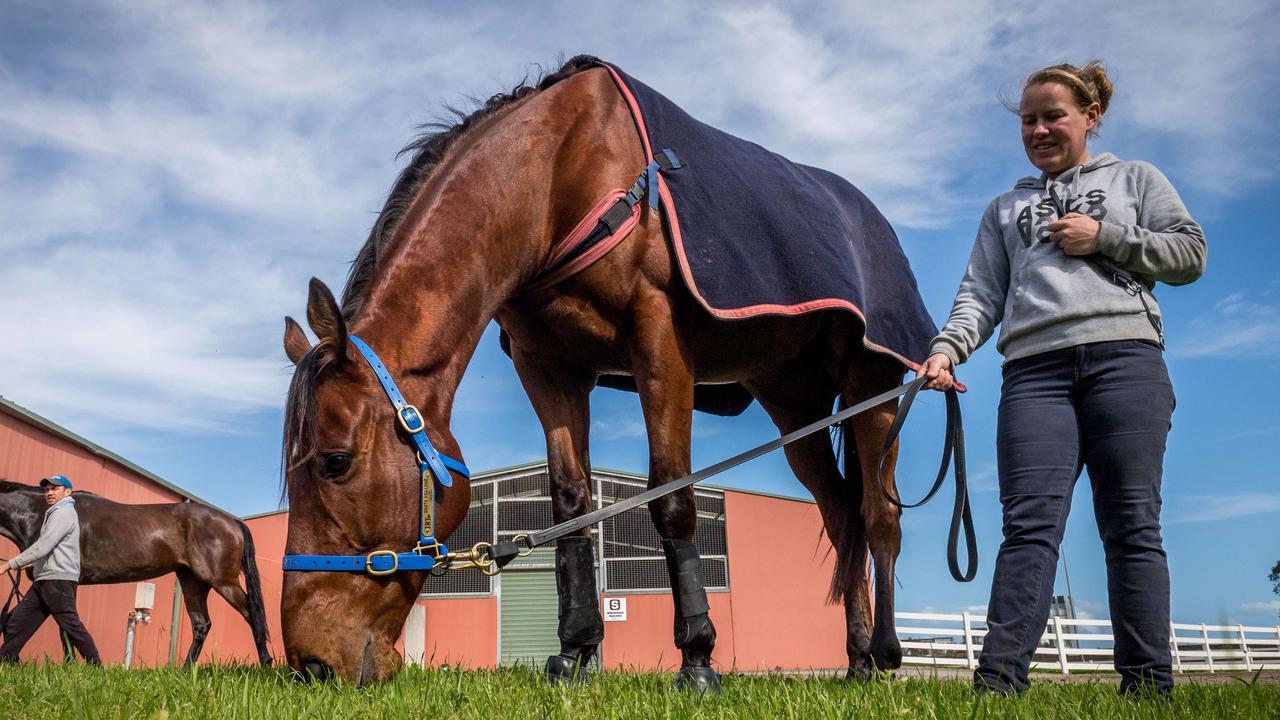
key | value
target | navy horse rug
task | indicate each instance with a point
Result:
(757, 234)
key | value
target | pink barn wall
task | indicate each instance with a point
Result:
(28, 453)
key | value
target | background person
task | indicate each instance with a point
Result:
(1085, 384)
(56, 556)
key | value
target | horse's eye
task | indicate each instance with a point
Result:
(336, 464)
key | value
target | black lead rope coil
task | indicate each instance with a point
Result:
(15, 577)
(953, 448)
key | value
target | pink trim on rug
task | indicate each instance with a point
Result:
(585, 225)
(636, 115)
(579, 233)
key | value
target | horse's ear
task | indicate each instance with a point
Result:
(295, 340)
(325, 318)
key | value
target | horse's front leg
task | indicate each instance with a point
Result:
(560, 396)
(665, 383)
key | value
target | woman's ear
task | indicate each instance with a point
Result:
(1093, 114)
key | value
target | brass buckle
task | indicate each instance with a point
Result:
(413, 413)
(478, 557)
(368, 562)
(528, 550)
(433, 548)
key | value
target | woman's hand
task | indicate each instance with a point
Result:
(938, 369)
(1076, 234)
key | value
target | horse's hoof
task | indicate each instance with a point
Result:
(698, 679)
(562, 670)
(859, 675)
(887, 660)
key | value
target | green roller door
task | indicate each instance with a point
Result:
(529, 617)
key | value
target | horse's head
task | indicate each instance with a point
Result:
(354, 486)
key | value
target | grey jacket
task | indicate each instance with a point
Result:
(56, 553)
(1049, 300)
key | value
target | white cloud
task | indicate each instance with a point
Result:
(174, 176)
(984, 479)
(1211, 508)
(1264, 606)
(1237, 326)
(147, 335)
(617, 428)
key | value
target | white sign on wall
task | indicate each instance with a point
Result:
(615, 609)
(144, 596)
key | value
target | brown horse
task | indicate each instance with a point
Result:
(468, 227)
(119, 543)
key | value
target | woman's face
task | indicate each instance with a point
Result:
(1054, 130)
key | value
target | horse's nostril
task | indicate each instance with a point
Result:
(316, 670)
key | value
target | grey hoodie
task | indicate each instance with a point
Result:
(56, 553)
(1049, 300)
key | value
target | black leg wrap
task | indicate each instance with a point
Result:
(567, 670)
(580, 621)
(685, 567)
(698, 679)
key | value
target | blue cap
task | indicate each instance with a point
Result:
(56, 480)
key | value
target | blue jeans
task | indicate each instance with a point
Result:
(1106, 407)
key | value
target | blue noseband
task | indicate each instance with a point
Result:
(431, 463)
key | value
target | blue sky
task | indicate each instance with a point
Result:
(173, 174)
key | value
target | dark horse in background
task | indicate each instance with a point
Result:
(466, 232)
(120, 543)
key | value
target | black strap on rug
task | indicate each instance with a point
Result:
(621, 210)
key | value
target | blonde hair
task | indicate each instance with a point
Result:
(1088, 84)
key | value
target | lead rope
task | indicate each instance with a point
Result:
(491, 558)
(953, 445)
(15, 577)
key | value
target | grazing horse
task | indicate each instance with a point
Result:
(120, 543)
(464, 238)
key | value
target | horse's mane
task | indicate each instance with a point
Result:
(11, 486)
(428, 149)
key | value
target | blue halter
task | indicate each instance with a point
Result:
(431, 463)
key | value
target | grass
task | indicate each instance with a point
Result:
(51, 691)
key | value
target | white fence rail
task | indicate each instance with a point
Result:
(1068, 644)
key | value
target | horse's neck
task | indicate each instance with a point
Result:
(479, 230)
(20, 516)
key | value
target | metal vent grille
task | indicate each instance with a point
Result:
(633, 548)
(535, 485)
(477, 526)
(629, 544)
(523, 514)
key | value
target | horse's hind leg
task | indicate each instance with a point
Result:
(882, 518)
(839, 499)
(195, 594)
(665, 384)
(231, 591)
(560, 396)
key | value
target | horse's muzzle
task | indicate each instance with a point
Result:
(316, 671)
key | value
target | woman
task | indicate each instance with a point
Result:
(1066, 262)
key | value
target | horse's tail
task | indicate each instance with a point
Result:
(851, 546)
(253, 589)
